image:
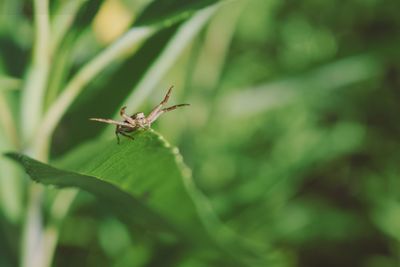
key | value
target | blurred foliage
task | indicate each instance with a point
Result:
(292, 133)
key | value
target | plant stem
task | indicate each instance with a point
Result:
(63, 20)
(36, 80)
(59, 210)
(31, 111)
(32, 250)
(10, 186)
(7, 121)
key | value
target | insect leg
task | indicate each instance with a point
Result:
(117, 134)
(156, 110)
(152, 119)
(126, 135)
(174, 107)
(166, 97)
(120, 123)
(126, 117)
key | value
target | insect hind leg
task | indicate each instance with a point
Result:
(117, 135)
(126, 135)
(174, 107)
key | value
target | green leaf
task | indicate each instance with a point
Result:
(146, 183)
(142, 180)
(171, 11)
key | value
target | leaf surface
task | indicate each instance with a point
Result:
(142, 180)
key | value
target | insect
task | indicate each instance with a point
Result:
(139, 120)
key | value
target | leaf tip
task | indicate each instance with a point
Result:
(13, 155)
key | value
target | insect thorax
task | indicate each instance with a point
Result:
(138, 115)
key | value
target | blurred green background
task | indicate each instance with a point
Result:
(293, 131)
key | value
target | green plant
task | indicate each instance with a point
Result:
(145, 180)
(291, 136)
